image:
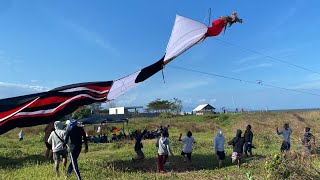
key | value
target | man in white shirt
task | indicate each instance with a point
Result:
(56, 139)
(286, 132)
(164, 149)
(187, 146)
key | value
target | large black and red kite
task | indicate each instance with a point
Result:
(45, 107)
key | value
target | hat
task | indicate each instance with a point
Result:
(68, 122)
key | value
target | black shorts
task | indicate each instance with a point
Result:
(188, 154)
(221, 155)
(49, 146)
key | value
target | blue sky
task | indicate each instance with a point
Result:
(46, 44)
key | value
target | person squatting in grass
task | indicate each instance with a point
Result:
(218, 145)
(286, 132)
(163, 150)
(56, 140)
(308, 143)
(187, 146)
(75, 134)
(237, 144)
(138, 146)
(248, 136)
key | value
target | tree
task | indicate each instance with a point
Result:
(95, 106)
(81, 113)
(176, 105)
(160, 106)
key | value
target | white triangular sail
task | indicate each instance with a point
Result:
(185, 33)
(122, 86)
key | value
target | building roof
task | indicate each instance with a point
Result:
(202, 106)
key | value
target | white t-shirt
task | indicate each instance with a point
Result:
(187, 144)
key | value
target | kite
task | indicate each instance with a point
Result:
(221, 23)
(45, 107)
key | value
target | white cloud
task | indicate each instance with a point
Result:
(12, 89)
(246, 68)
(8, 60)
(88, 35)
(202, 100)
(82, 31)
(249, 59)
(312, 81)
(34, 80)
(126, 100)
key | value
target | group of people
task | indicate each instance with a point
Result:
(241, 145)
(164, 148)
(64, 138)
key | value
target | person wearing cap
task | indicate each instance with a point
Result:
(218, 145)
(75, 134)
(308, 142)
(56, 140)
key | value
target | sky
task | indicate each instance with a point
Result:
(47, 44)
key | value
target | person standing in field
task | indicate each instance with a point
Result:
(286, 132)
(21, 135)
(187, 146)
(56, 140)
(218, 145)
(138, 146)
(47, 131)
(248, 136)
(308, 142)
(237, 144)
(75, 135)
(163, 151)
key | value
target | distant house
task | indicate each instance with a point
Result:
(204, 109)
(123, 110)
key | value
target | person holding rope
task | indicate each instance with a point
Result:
(75, 134)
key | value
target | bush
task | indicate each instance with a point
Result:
(167, 115)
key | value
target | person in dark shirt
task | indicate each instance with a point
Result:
(75, 134)
(248, 136)
(308, 143)
(138, 146)
(237, 143)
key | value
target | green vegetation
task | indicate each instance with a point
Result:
(25, 159)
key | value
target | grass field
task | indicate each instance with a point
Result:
(25, 159)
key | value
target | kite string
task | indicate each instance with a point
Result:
(267, 56)
(241, 80)
(209, 17)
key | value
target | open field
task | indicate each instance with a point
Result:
(25, 159)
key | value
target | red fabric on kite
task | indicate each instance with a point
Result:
(217, 27)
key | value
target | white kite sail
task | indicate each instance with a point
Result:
(186, 32)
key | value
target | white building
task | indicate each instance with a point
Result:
(123, 110)
(204, 109)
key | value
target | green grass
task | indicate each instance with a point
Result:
(25, 159)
